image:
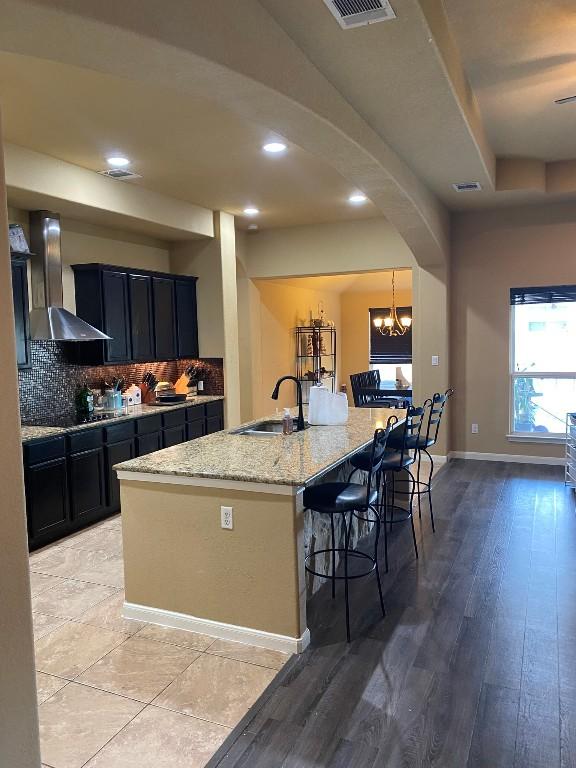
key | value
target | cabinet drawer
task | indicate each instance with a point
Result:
(85, 440)
(174, 418)
(148, 424)
(195, 412)
(117, 432)
(215, 409)
(44, 450)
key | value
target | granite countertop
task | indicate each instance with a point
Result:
(277, 459)
(137, 411)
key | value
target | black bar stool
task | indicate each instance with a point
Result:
(399, 458)
(351, 500)
(435, 408)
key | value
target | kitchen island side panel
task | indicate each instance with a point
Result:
(179, 559)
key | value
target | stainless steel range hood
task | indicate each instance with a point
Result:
(49, 321)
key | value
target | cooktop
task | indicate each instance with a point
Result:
(73, 419)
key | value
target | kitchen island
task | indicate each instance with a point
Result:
(183, 570)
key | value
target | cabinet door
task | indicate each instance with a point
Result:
(174, 436)
(196, 429)
(87, 490)
(186, 318)
(47, 501)
(114, 454)
(116, 316)
(20, 296)
(164, 318)
(214, 424)
(148, 443)
(140, 291)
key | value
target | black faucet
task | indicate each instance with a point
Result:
(300, 421)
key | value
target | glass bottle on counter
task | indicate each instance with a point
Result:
(85, 400)
(287, 422)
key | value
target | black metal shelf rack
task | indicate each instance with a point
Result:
(315, 357)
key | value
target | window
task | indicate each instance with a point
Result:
(391, 355)
(543, 359)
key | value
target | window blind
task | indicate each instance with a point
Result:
(547, 294)
(395, 350)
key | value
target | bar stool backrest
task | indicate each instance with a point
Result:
(378, 450)
(437, 406)
(412, 428)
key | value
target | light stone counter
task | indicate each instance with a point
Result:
(246, 583)
(274, 459)
(133, 412)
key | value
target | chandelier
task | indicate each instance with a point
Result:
(393, 325)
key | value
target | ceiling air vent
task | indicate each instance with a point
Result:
(358, 13)
(120, 173)
(467, 186)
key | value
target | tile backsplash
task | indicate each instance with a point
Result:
(49, 387)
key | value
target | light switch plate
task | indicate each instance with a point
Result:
(474, 429)
(435, 360)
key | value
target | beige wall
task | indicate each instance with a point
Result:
(83, 243)
(214, 263)
(19, 746)
(251, 576)
(355, 324)
(280, 307)
(493, 252)
(327, 249)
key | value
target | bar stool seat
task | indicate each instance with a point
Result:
(390, 459)
(335, 498)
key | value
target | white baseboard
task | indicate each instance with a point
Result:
(515, 458)
(216, 629)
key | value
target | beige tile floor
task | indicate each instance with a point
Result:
(114, 693)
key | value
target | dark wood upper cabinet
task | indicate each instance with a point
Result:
(164, 296)
(141, 317)
(149, 315)
(186, 318)
(116, 316)
(20, 297)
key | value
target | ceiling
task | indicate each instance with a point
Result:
(186, 148)
(451, 87)
(519, 56)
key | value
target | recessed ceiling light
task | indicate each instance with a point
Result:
(565, 100)
(274, 147)
(251, 211)
(117, 161)
(357, 198)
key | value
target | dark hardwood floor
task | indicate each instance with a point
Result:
(474, 665)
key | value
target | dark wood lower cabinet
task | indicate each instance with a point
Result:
(115, 454)
(174, 436)
(148, 443)
(195, 429)
(47, 501)
(87, 486)
(70, 481)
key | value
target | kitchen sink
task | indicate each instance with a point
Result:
(264, 428)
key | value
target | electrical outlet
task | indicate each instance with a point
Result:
(435, 360)
(474, 429)
(227, 517)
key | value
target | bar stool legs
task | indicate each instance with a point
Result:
(389, 519)
(369, 515)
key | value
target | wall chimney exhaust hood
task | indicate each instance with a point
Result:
(49, 321)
